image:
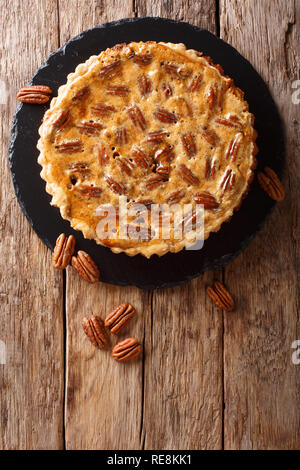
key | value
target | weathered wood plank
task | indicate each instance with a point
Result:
(183, 370)
(78, 15)
(183, 335)
(103, 398)
(31, 381)
(201, 13)
(262, 389)
(130, 418)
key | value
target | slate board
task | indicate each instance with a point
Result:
(171, 269)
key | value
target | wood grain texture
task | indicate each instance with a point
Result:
(31, 381)
(183, 336)
(172, 396)
(77, 15)
(201, 12)
(103, 397)
(262, 386)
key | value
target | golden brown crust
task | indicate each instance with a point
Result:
(146, 121)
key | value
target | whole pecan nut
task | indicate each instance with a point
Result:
(86, 267)
(220, 296)
(95, 331)
(142, 59)
(126, 350)
(118, 318)
(207, 199)
(163, 115)
(189, 144)
(271, 184)
(137, 117)
(35, 94)
(117, 90)
(63, 251)
(62, 120)
(116, 187)
(71, 146)
(163, 168)
(187, 175)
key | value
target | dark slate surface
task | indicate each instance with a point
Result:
(171, 269)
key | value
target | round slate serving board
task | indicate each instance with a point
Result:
(171, 269)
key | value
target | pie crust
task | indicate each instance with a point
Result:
(155, 123)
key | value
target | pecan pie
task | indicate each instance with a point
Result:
(152, 124)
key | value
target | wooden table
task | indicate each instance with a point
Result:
(207, 379)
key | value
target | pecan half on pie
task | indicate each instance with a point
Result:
(156, 124)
